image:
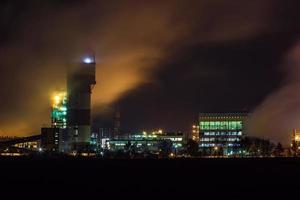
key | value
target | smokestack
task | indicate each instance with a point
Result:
(117, 122)
(81, 79)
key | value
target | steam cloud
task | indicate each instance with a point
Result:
(278, 115)
(130, 39)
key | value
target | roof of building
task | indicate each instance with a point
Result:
(229, 114)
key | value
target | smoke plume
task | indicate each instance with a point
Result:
(279, 114)
(130, 39)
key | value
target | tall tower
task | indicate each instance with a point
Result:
(80, 82)
(117, 123)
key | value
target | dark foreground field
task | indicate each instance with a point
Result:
(176, 176)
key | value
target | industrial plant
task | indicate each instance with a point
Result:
(71, 111)
(70, 132)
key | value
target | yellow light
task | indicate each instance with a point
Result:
(194, 126)
(215, 148)
(297, 138)
(57, 98)
(160, 131)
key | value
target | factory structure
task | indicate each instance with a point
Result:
(295, 144)
(221, 131)
(148, 141)
(70, 132)
(70, 129)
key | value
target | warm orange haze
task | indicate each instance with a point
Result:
(133, 42)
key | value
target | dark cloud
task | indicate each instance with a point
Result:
(278, 115)
(224, 77)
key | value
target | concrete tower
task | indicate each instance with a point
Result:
(80, 81)
(117, 122)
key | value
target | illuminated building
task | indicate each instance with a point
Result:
(59, 110)
(296, 142)
(50, 136)
(149, 141)
(71, 111)
(221, 131)
(195, 133)
(19, 146)
(80, 82)
(33, 145)
(140, 144)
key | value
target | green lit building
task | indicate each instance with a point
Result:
(59, 110)
(52, 136)
(149, 141)
(221, 132)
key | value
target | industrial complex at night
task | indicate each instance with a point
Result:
(70, 129)
(70, 133)
(115, 98)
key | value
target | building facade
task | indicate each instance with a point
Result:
(221, 132)
(195, 133)
(148, 141)
(50, 139)
(59, 110)
(295, 145)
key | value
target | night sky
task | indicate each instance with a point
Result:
(161, 62)
(233, 76)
